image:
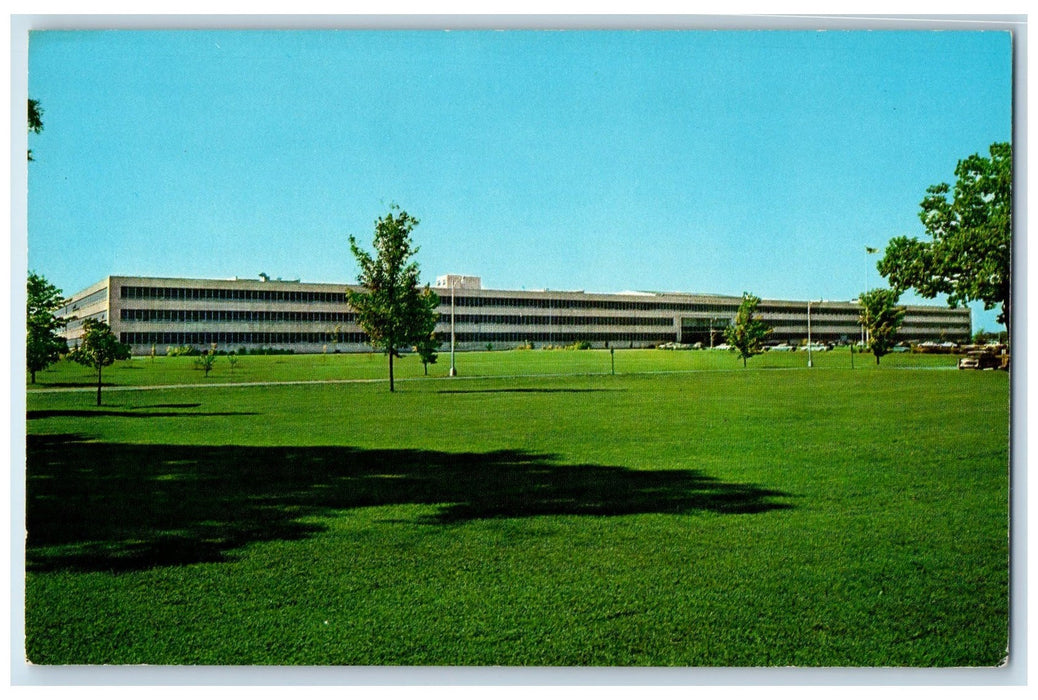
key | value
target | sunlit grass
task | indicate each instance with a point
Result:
(804, 517)
(157, 371)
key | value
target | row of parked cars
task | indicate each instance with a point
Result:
(786, 347)
(991, 356)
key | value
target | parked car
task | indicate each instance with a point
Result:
(980, 360)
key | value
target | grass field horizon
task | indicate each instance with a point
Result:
(541, 512)
(146, 371)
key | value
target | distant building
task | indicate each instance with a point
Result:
(152, 312)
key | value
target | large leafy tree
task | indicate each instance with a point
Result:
(98, 348)
(969, 254)
(748, 331)
(43, 344)
(882, 317)
(35, 119)
(392, 309)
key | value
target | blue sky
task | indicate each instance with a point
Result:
(709, 161)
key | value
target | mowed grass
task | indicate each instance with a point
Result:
(824, 517)
(166, 371)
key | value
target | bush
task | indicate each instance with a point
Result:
(183, 351)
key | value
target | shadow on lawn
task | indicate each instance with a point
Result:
(86, 413)
(522, 391)
(109, 507)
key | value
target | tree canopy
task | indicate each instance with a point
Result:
(35, 119)
(44, 344)
(969, 254)
(748, 331)
(393, 309)
(881, 317)
(98, 348)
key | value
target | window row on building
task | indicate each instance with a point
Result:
(230, 294)
(557, 320)
(77, 321)
(76, 303)
(232, 339)
(561, 337)
(336, 317)
(542, 300)
(549, 300)
(234, 316)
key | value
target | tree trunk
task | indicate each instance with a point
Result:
(391, 368)
(32, 375)
(1009, 332)
(99, 385)
(877, 359)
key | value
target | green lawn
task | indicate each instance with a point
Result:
(147, 371)
(662, 516)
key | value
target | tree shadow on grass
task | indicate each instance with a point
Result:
(95, 506)
(522, 391)
(88, 413)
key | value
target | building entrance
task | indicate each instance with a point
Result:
(708, 331)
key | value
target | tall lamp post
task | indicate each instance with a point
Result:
(810, 342)
(865, 331)
(453, 370)
(809, 363)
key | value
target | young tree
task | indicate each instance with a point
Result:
(43, 344)
(426, 349)
(748, 332)
(206, 361)
(882, 318)
(392, 309)
(99, 348)
(969, 253)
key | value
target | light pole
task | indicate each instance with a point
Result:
(809, 364)
(864, 330)
(454, 370)
(810, 342)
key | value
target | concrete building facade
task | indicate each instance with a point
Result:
(153, 314)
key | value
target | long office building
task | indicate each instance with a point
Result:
(153, 314)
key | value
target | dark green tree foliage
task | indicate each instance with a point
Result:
(881, 317)
(748, 332)
(43, 345)
(35, 119)
(392, 309)
(969, 253)
(98, 348)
